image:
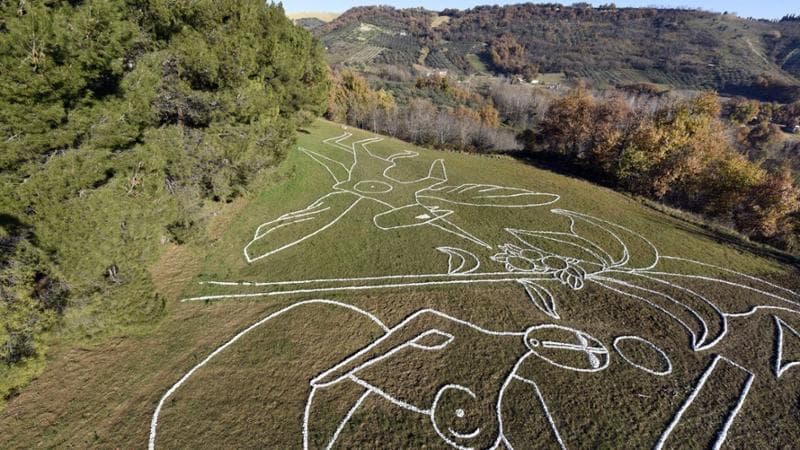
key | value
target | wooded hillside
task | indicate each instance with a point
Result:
(608, 45)
(120, 123)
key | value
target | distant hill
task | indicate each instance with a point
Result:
(309, 23)
(319, 15)
(311, 20)
(609, 46)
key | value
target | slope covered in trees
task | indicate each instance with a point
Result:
(609, 45)
(120, 123)
(675, 152)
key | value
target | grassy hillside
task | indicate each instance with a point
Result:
(385, 243)
(610, 46)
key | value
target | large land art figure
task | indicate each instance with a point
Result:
(538, 384)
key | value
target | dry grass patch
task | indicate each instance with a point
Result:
(173, 272)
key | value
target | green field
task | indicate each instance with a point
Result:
(378, 295)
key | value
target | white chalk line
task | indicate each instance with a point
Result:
(730, 283)
(540, 297)
(457, 267)
(347, 419)
(458, 231)
(403, 323)
(690, 292)
(436, 426)
(392, 399)
(743, 275)
(448, 339)
(346, 370)
(723, 433)
(355, 279)
(467, 261)
(347, 288)
(780, 366)
(542, 402)
(307, 416)
(373, 186)
(661, 352)
(182, 380)
(552, 235)
(695, 341)
(284, 247)
(699, 341)
(501, 436)
(614, 264)
(586, 344)
(626, 253)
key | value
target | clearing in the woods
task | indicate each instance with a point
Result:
(381, 295)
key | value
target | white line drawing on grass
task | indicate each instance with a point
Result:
(782, 328)
(596, 353)
(722, 433)
(592, 251)
(550, 343)
(407, 203)
(661, 353)
(554, 344)
(547, 342)
(460, 261)
(423, 332)
(574, 260)
(221, 348)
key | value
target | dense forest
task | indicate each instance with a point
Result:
(675, 152)
(609, 45)
(120, 121)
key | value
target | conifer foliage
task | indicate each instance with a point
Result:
(119, 119)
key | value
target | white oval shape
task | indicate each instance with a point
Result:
(372, 187)
(663, 355)
(559, 345)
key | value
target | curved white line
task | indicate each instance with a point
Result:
(462, 255)
(464, 435)
(698, 342)
(698, 387)
(385, 395)
(291, 244)
(663, 354)
(301, 219)
(730, 283)
(389, 333)
(542, 402)
(585, 346)
(547, 235)
(343, 423)
(780, 367)
(433, 414)
(182, 380)
(724, 269)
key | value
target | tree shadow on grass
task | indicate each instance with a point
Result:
(561, 166)
(737, 242)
